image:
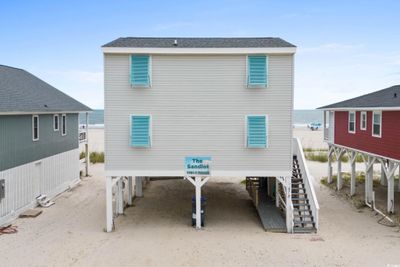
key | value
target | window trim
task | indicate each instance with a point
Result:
(33, 128)
(266, 72)
(54, 122)
(63, 127)
(380, 123)
(150, 71)
(266, 131)
(362, 114)
(150, 131)
(355, 122)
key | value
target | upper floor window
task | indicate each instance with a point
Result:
(257, 71)
(56, 122)
(377, 123)
(140, 71)
(363, 120)
(352, 122)
(256, 131)
(64, 124)
(35, 127)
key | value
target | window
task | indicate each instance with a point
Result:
(377, 123)
(257, 71)
(35, 127)
(256, 131)
(352, 122)
(140, 131)
(363, 121)
(64, 124)
(140, 70)
(56, 122)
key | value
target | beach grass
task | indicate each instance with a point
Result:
(321, 155)
(96, 157)
(82, 155)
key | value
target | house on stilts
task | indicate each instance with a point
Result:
(229, 99)
(369, 126)
(39, 142)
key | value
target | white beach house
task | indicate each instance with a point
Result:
(229, 99)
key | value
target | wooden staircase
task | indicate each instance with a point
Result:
(303, 219)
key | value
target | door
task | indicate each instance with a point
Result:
(37, 174)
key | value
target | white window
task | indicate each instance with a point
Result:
(35, 127)
(377, 124)
(56, 122)
(64, 124)
(352, 122)
(363, 121)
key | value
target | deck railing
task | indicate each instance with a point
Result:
(307, 179)
(82, 135)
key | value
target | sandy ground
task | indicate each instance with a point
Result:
(156, 231)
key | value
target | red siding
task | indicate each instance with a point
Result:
(388, 145)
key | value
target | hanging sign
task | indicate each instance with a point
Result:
(198, 165)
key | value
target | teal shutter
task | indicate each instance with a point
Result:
(140, 70)
(140, 131)
(256, 132)
(257, 71)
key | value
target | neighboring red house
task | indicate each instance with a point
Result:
(368, 125)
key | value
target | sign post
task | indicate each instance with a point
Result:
(197, 171)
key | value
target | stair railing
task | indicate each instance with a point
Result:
(307, 179)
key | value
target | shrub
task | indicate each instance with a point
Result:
(314, 156)
(82, 155)
(96, 157)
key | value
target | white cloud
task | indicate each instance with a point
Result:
(85, 86)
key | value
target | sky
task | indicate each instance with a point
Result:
(345, 48)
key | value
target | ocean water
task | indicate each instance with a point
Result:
(301, 117)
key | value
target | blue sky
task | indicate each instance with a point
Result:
(345, 48)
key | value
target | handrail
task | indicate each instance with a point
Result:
(307, 178)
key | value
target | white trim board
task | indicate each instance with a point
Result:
(42, 112)
(174, 50)
(363, 109)
(181, 173)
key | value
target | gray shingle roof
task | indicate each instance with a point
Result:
(22, 92)
(385, 98)
(199, 42)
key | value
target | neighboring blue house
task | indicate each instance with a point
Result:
(39, 141)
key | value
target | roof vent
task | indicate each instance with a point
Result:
(45, 106)
(395, 95)
(176, 42)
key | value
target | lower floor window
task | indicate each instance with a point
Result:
(35, 127)
(377, 124)
(64, 124)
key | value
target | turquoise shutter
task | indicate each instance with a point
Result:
(140, 131)
(256, 132)
(257, 71)
(140, 70)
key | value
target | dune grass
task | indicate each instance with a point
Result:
(96, 157)
(321, 155)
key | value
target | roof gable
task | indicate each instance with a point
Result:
(385, 98)
(22, 92)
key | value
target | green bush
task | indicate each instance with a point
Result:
(96, 157)
(82, 155)
(316, 156)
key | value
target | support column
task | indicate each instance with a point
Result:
(383, 175)
(138, 186)
(339, 180)
(353, 174)
(130, 191)
(276, 192)
(109, 205)
(87, 146)
(120, 197)
(399, 179)
(329, 167)
(369, 176)
(390, 187)
(198, 201)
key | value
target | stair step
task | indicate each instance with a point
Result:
(303, 224)
(301, 204)
(299, 199)
(304, 229)
(303, 215)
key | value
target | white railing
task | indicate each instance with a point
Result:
(82, 135)
(307, 179)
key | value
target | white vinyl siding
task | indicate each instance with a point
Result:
(377, 124)
(35, 127)
(352, 122)
(198, 104)
(363, 120)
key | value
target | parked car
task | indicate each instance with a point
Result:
(314, 126)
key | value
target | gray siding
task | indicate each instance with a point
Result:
(198, 105)
(17, 147)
